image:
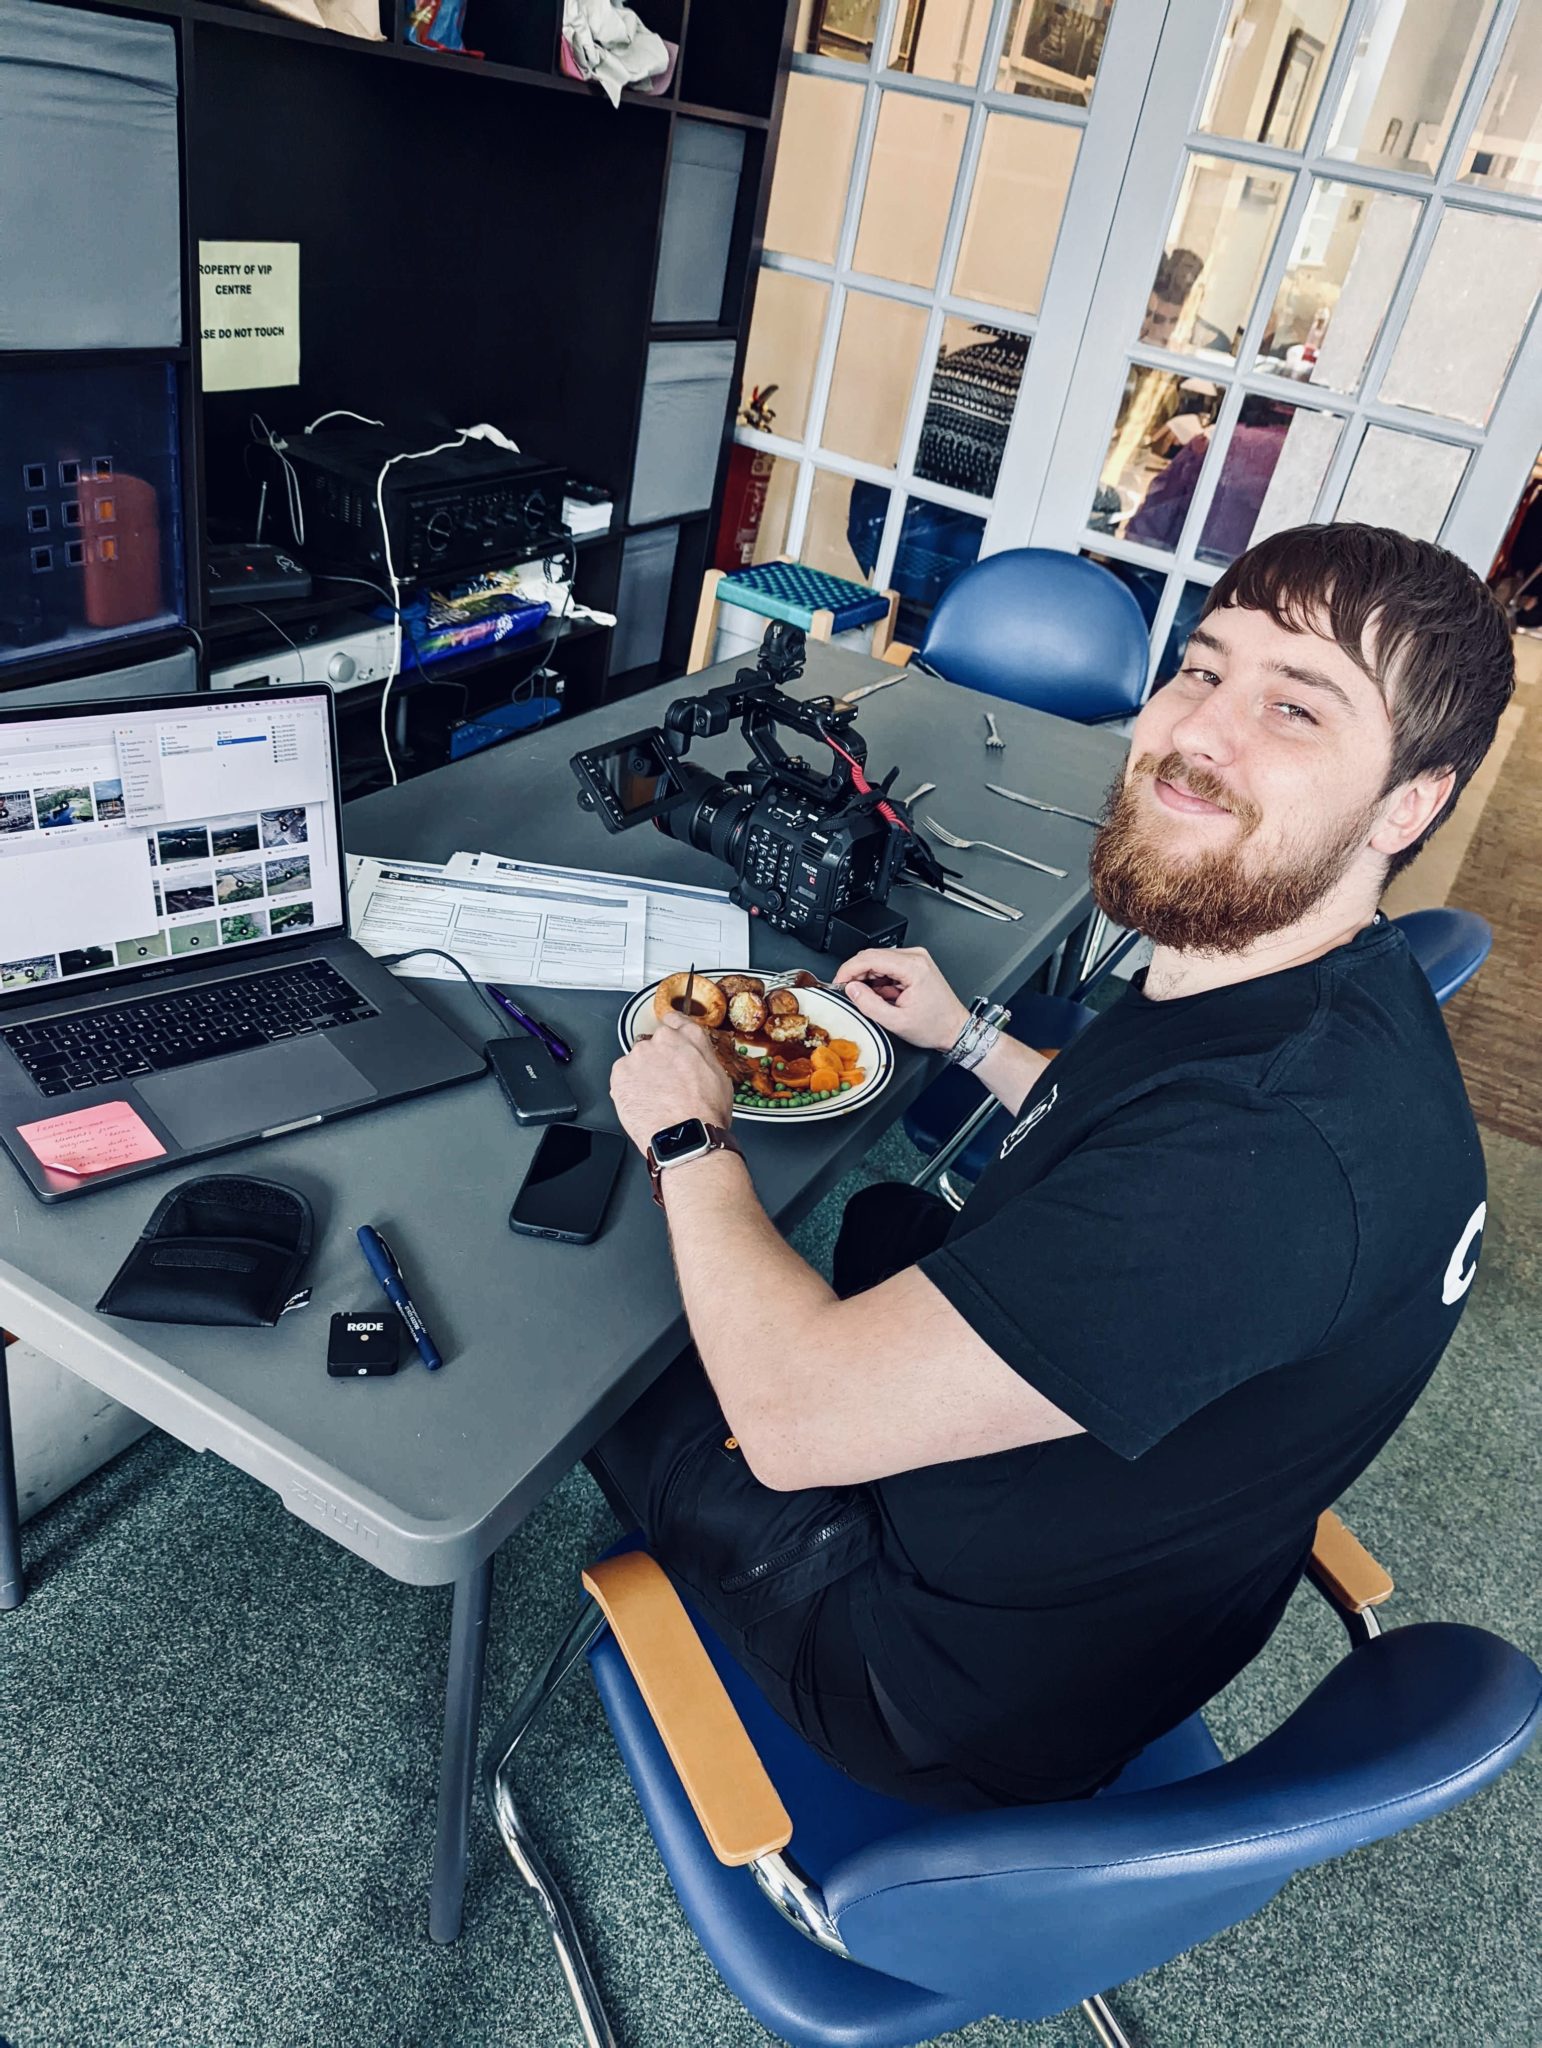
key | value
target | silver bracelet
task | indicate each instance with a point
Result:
(981, 1032)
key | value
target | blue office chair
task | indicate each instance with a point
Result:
(893, 1924)
(1450, 945)
(1042, 628)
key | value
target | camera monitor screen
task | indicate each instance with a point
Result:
(636, 779)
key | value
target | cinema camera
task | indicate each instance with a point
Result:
(814, 854)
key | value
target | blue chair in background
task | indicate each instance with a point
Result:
(893, 1924)
(1450, 945)
(1042, 628)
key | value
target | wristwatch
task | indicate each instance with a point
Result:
(982, 1030)
(681, 1142)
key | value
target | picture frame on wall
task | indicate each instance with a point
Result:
(1290, 95)
(841, 28)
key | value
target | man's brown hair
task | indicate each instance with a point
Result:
(1422, 625)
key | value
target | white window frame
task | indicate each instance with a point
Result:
(1055, 332)
(1501, 454)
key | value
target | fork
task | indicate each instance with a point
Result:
(921, 789)
(994, 743)
(988, 846)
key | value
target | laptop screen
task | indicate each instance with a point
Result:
(135, 837)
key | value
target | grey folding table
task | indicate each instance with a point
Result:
(545, 1344)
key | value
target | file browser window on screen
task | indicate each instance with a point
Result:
(132, 836)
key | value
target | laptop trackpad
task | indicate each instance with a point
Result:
(251, 1092)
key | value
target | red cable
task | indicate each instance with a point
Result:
(862, 785)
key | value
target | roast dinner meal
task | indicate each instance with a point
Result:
(774, 1055)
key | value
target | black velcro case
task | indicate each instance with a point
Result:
(224, 1249)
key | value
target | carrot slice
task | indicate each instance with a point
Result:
(853, 1076)
(846, 1050)
(826, 1060)
(824, 1081)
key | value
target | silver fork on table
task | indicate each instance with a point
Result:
(989, 846)
(994, 743)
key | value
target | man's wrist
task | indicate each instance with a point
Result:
(710, 1170)
(956, 1025)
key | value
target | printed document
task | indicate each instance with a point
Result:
(685, 923)
(498, 928)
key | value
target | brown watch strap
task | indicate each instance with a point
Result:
(722, 1141)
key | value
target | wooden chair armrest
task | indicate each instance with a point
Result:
(897, 654)
(1345, 1570)
(723, 1777)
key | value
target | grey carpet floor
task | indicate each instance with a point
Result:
(217, 1777)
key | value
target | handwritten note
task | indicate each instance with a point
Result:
(87, 1141)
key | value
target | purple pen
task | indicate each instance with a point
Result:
(557, 1047)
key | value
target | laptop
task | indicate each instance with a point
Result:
(176, 974)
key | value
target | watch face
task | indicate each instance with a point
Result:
(680, 1141)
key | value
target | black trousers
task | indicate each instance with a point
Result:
(774, 1573)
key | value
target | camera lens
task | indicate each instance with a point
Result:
(714, 823)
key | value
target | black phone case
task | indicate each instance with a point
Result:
(534, 1085)
(523, 1229)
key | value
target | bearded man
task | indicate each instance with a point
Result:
(1036, 1480)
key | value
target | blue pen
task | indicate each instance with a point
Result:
(557, 1047)
(381, 1261)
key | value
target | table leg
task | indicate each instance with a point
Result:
(457, 1760)
(1070, 969)
(13, 1586)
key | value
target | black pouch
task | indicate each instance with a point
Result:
(224, 1249)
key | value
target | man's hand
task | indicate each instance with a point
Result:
(667, 1078)
(903, 990)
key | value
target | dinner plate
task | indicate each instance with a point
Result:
(839, 1017)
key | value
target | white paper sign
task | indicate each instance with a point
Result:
(249, 297)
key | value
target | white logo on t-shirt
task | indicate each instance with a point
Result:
(1035, 1115)
(1459, 1275)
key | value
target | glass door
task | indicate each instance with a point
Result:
(945, 177)
(1317, 299)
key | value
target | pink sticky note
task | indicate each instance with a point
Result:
(87, 1141)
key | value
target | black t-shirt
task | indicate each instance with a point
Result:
(1230, 1234)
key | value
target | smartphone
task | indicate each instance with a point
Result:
(565, 1192)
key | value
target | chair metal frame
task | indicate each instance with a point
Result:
(1344, 1573)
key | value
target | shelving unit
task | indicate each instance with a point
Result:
(479, 239)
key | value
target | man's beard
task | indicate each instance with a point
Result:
(1213, 903)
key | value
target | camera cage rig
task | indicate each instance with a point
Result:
(757, 698)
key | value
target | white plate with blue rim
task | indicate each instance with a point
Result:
(831, 1014)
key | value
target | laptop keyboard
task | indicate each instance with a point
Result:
(125, 1039)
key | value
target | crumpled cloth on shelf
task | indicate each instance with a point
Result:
(610, 46)
(345, 17)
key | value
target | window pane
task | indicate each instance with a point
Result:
(1334, 296)
(909, 186)
(779, 356)
(1215, 253)
(1468, 314)
(1506, 149)
(1154, 456)
(1403, 481)
(813, 166)
(757, 503)
(837, 28)
(845, 525)
(940, 39)
(1052, 49)
(969, 409)
(936, 544)
(1270, 73)
(1014, 211)
(1273, 467)
(875, 374)
(1411, 62)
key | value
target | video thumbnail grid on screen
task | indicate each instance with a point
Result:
(120, 845)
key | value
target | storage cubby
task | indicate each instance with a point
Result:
(480, 239)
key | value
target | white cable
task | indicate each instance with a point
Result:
(342, 412)
(413, 455)
(291, 481)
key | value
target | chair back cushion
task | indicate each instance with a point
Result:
(1042, 628)
(1033, 1908)
(1450, 945)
